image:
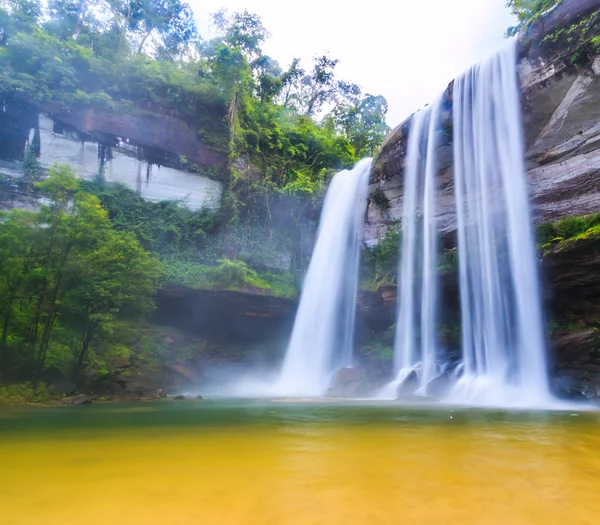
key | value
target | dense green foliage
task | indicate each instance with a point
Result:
(65, 275)
(128, 56)
(567, 230)
(528, 11)
(580, 40)
(380, 263)
(75, 276)
(24, 393)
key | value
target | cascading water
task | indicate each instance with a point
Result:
(322, 337)
(502, 336)
(415, 343)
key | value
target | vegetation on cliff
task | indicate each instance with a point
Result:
(76, 276)
(286, 130)
(528, 11)
(572, 228)
(66, 276)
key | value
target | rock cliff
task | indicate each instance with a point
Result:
(560, 84)
(559, 71)
(156, 154)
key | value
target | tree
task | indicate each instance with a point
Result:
(527, 11)
(363, 123)
(289, 81)
(18, 15)
(269, 82)
(118, 279)
(171, 20)
(69, 17)
(242, 30)
(232, 72)
(66, 269)
(31, 165)
(16, 240)
(320, 87)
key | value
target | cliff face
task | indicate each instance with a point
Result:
(571, 274)
(158, 155)
(561, 102)
(559, 72)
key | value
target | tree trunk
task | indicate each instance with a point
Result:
(3, 360)
(141, 46)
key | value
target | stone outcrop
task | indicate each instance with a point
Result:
(571, 274)
(157, 155)
(561, 100)
(160, 134)
(225, 315)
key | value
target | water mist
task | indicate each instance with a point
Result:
(322, 337)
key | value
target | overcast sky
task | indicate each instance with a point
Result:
(405, 50)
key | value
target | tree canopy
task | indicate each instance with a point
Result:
(94, 254)
(527, 11)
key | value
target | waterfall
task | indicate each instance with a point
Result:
(502, 335)
(415, 343)
(322, 337)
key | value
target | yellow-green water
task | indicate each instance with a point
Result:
(214, 463)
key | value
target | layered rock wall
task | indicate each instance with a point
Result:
(157, 156)
(561, 101)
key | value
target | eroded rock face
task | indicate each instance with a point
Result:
(224, 314)
(155, 183)
(562, 126)
(161, 132)
(571, 276)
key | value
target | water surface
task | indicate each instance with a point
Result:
(262, 463)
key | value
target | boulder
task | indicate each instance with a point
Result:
(438, 387)
(160, 394)
(62, 388)
(408, 386)
(348, 382)
(79, 399)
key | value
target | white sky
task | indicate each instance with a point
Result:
(405, 50)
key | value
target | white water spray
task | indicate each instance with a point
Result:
(415, 343)
(322, 337)
(502, 336)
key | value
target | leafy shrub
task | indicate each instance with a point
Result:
(448, 260)
(379, 198)
(23, 393)
(380, 262)
(235, 274)
(569, 228)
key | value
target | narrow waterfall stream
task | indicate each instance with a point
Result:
(415, 343)
(502, 334)
(322, 338)
(501, 324)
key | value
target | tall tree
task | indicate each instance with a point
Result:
(289, 80)
(269, 82)
(242, 30)
(18, 15)
(171, 20)
(319, 88)
(118, 280)
(68, 18)
(363, 123)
